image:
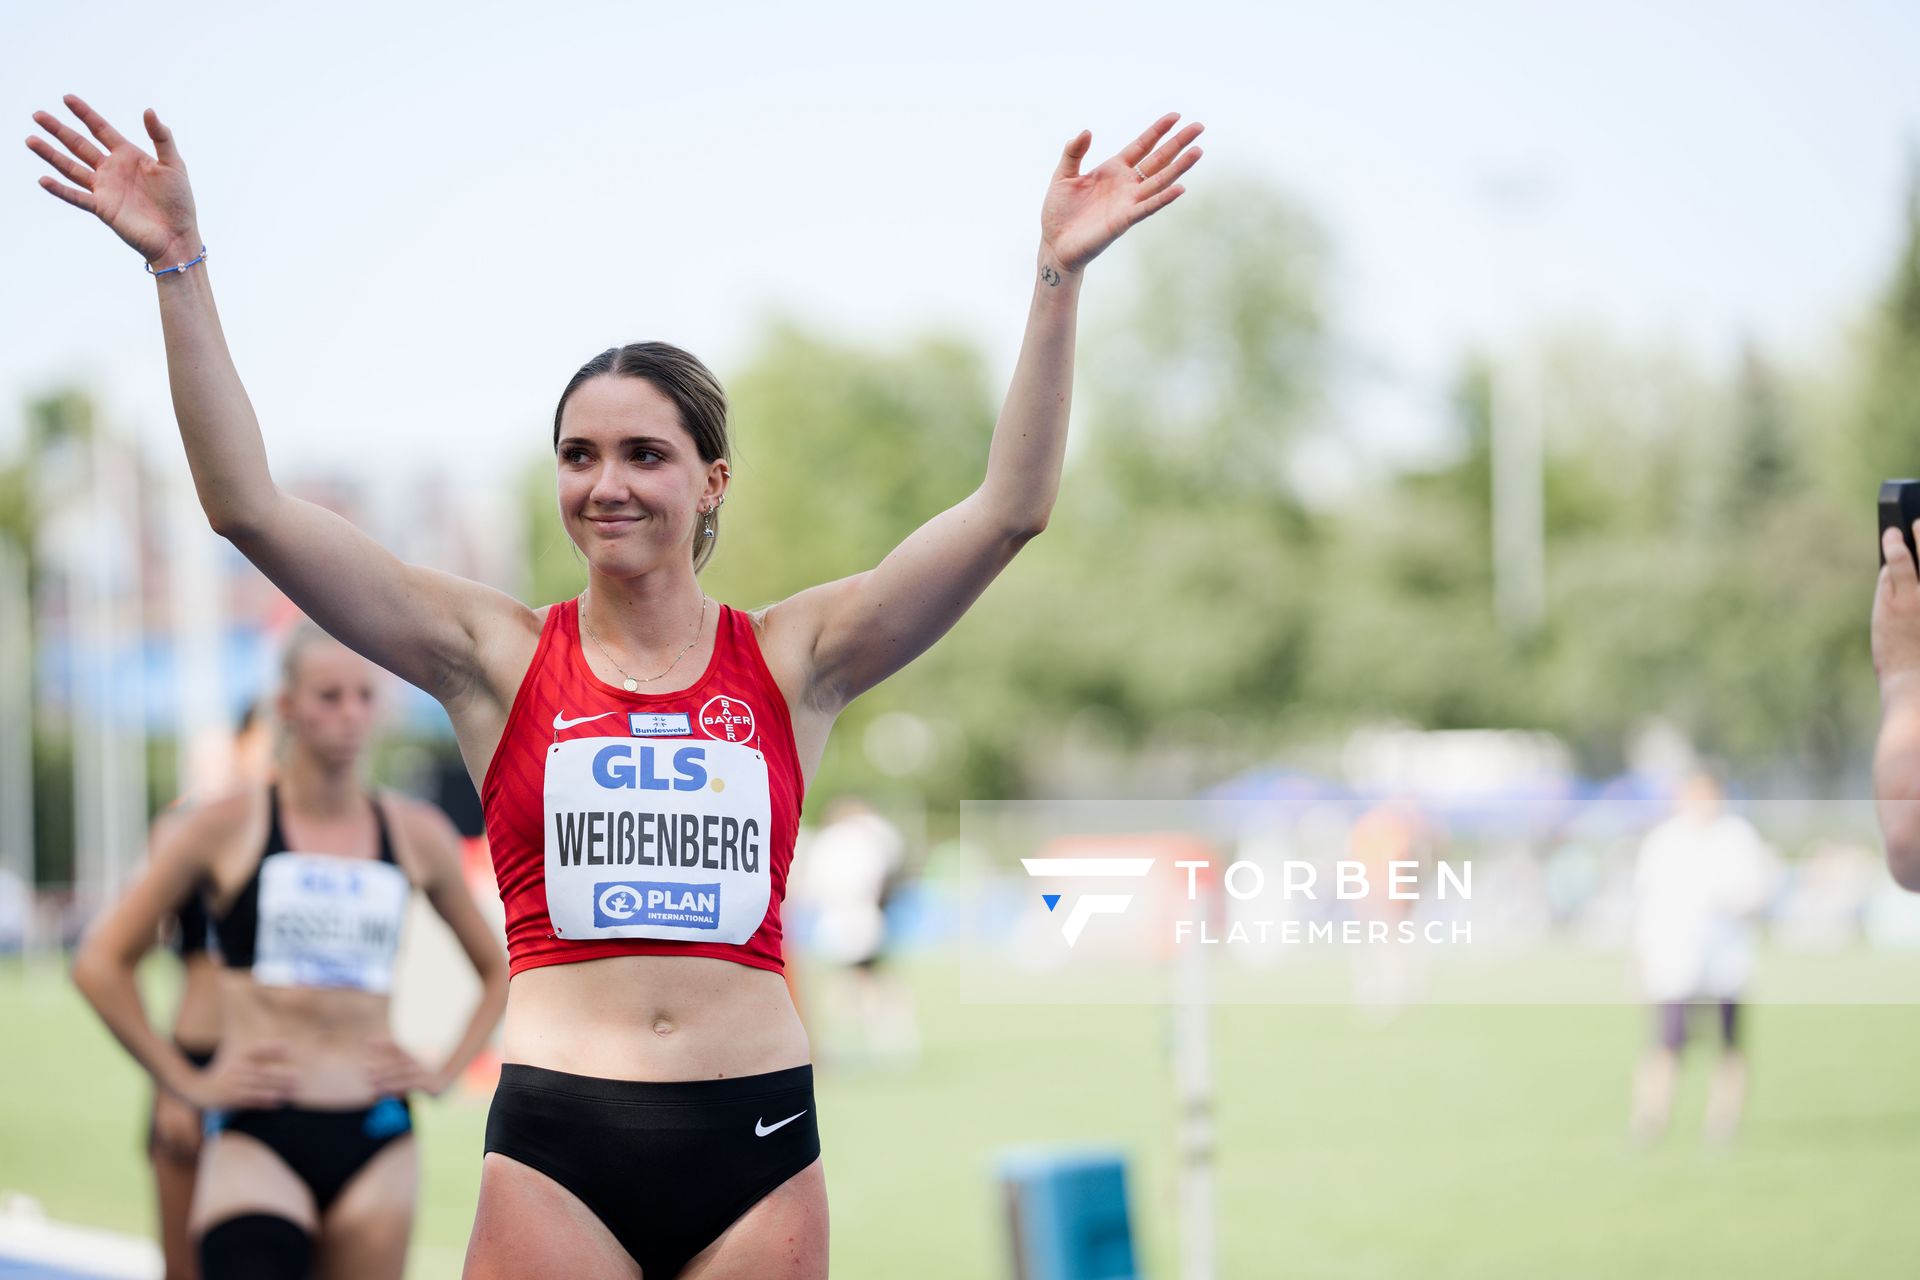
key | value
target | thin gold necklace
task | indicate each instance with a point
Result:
(627, 681)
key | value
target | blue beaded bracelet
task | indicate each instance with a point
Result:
(178, 266)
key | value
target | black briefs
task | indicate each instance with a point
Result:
(666, 1165)
(1674, 1016)
(325, 1148)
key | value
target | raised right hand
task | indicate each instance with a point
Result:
(146, 201)
(260, 1075)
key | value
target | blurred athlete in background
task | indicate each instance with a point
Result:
(174, 1132)
(310, 1161)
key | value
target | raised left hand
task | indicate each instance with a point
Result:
(1086, 212)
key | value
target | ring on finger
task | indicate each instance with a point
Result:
(1139, 174)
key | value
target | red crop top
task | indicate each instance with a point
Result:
(644, 823)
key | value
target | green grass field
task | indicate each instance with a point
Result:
(1456, 1141)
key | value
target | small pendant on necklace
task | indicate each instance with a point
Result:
(631, 684)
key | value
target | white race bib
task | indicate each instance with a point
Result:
(657, 839)
(327, 921)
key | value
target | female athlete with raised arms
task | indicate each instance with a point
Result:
(641, 750)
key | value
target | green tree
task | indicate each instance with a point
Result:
(58, 420)
(555, 569)
(1174, 588)
(1762, 468)
(840, 452)
(1888, 429)
(1207, 367)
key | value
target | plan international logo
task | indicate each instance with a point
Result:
(652, 902)
(1087, 905)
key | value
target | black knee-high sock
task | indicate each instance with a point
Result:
(255, 1246)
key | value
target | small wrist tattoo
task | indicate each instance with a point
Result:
(1048, 274)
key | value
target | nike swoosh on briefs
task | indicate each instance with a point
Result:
(761, 1130)
(561, 722)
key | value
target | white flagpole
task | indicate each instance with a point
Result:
(1193, 1089)
(16, 724)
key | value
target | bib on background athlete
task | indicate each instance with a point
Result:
(309, 919)
(328, 921)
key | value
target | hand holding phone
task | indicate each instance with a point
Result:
(1899, 508)
(1896, 595)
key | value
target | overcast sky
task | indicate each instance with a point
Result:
(424, 216)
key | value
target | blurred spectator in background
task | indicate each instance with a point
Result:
(1824, 905)
(1702, 878)
(1387, 975)
(852, 865)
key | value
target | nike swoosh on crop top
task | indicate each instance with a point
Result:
(308, 919)
(644, 823)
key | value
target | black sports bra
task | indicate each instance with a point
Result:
(236, 933)
(190, 926)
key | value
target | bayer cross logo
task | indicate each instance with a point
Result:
(727, 719)
(619, 901)
(1087, 905)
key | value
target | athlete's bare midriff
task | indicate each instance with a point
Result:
(327, 1035)
(196, 1023)
(653, 1018)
